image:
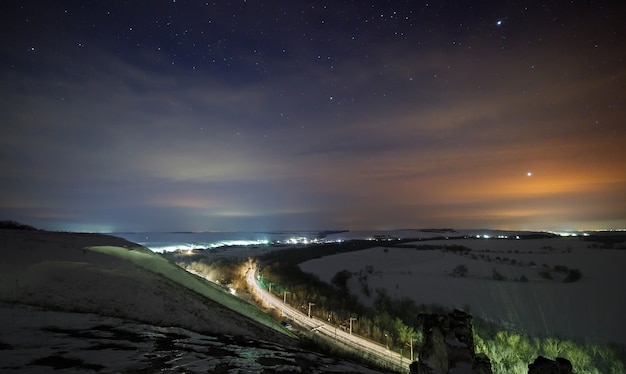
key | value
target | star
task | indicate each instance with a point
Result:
(363, 100)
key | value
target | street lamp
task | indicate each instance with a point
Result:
(330, 322)
(351, 319)
(282, 310)
(310, 304)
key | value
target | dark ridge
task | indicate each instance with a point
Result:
(14, 225)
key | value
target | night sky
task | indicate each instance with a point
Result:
(292, 115)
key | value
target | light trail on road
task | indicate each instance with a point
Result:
(381, 352)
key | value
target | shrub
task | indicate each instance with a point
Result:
(497, 276)
(561, 268)
(545, 274)
(365, 288)
(572, 276)
(457, 249)
(460, 271)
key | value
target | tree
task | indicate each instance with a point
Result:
(14, 225)
(406, 334)
(341, 279)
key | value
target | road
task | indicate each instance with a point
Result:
(394, 359)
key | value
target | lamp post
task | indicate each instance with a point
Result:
(282, 310)
(351, 319)
(330, 318)
(310, 304)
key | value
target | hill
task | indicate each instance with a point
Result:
(76, 301)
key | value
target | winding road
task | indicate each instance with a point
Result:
(393, 359)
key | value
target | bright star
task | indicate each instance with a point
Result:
(499, 22)
(529, 174)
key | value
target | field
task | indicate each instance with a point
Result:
(522, 285)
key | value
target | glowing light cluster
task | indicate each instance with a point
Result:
(188, 247)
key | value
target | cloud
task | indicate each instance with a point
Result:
(410, 137)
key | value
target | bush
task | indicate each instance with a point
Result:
(572, 276)
(497, 276)
(511, 352)
(561, 268)
(545, 274)
(460, 271)
(457, 249)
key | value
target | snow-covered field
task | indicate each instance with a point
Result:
(590, 309)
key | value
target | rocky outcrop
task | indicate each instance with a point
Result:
(449, 344)
(544, 365)
(449, 348)
(481, 364)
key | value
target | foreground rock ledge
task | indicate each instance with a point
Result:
(544, 365)
(449, 348)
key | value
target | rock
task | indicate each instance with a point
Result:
(448, 344)
(434, 353)
(481, 364)
(544, 365)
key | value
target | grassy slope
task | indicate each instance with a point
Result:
(110, 276)
(146, 259)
